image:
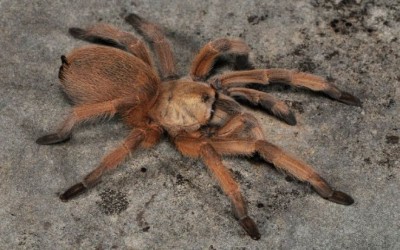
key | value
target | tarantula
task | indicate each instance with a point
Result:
(198, 112)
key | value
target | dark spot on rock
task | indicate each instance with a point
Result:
(143, 170)
(140, 219)
(218, 189)
(112, 202)
(46, 225)
(384, 162)
(348, 2)
(370, 30)
(334, 23)
(254, 19)
(307, 65)
(180, 180)
(99, 247)
(390, 177)
(299, 50)
(342, 26)
(289, 178)
(281, 199)
(391, 103)
(367, 160)
(295, 192)
(297, 106)
(260, 205)
(331, 55)
(392, 139)
(238, 175)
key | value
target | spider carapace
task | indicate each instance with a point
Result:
(116, 75)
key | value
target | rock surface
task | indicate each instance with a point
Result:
(161, 200)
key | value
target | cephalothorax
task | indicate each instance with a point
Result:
(198, 111)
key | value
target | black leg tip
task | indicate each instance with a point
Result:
(281, 111)
(73, 191)
(76, 32)
(52, 139)
(289, 118)
(341, 198)
(133, 19)
(349, 99)
(250, 227)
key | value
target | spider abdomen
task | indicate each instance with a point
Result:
(93, 74)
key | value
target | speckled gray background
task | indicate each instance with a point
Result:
(162, 200)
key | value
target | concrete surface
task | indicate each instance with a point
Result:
(162, 200)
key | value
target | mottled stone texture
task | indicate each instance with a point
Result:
(162, 200)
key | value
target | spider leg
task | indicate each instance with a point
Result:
(80, 114)
(282, 160)
(109, 35)
(301, 171)
(241, 126)
(266, 101)
(205, 59)
(224, 108)
(199, 148)
(145, 136)
(155, 36)
(108, 163)
(285, 76)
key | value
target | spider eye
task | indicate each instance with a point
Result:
(205, 97)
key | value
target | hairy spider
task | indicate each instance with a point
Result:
(199, 112)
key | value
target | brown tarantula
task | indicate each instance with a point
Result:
(199, 113)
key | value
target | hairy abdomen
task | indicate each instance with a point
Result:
(93, 74)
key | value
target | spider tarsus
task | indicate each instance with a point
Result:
(77, 32)
(52, 139)
(73, 191)
(289, 118)
(250, 227)
(133, 19)
(341, 198)
(64, 60)
(82, 34)
(349, 99)
(279, 110)
(137, 23)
